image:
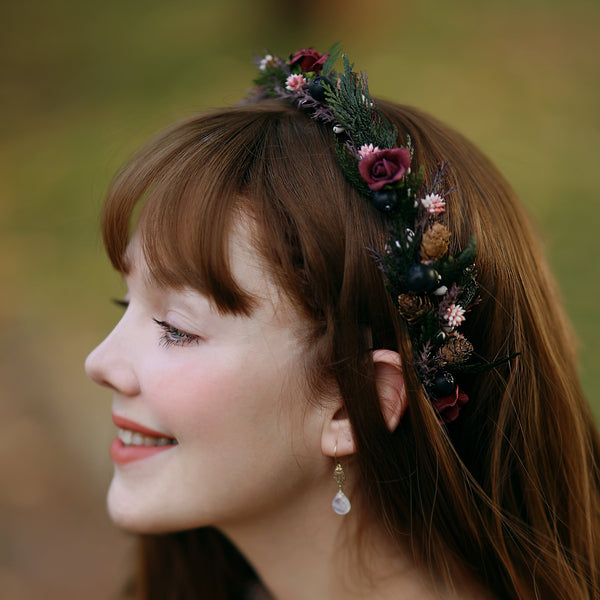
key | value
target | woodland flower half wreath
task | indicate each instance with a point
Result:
(432, 289)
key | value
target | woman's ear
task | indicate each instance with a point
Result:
(390, 386)
(337, 437)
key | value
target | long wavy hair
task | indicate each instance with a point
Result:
(510, 491)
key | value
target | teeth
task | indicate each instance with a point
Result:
(134, 438)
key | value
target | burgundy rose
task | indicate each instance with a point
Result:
(448, 407)
(308, 60)
(384, 167)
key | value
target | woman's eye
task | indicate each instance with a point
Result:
(171, 336)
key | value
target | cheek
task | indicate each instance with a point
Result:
(223, 395)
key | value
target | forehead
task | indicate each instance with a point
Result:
(244, 263)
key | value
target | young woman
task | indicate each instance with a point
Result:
(332, 298)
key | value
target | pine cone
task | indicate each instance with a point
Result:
(434, 243)
(457, 349)
(412, 307)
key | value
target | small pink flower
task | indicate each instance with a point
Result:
(434, 204)
(454, 315)
(295, 83)
(367, 149)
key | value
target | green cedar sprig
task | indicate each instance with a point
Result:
(349, 167)
(349, 99)
(427, 330)
(271, 77)
(451, 268)
(334, 53)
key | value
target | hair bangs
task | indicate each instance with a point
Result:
(191, 185)
(181, 195)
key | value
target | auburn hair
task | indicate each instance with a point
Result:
(510, 491)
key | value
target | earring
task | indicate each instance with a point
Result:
(341, 505)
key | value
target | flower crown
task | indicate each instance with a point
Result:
(432, 289)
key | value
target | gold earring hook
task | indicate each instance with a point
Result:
(341, 505)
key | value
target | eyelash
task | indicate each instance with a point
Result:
(171, 336)
(120, 303)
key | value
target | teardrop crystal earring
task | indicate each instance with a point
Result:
(341, 505)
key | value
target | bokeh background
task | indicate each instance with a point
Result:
(83, 84)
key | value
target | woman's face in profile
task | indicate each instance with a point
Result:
(216, 425)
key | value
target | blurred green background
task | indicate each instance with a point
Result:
(83, 84)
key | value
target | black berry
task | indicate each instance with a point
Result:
(421, 278)
(385, 200)
(316, 88)
(443, 385)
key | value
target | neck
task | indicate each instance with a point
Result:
(306, 551)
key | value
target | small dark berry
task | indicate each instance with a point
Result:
(385, 200)
(443, 385)
(421, 278)
(316, 88)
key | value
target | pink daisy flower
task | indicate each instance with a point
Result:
(367, 149)
(454, 315)
(295, 83)
(434, 204)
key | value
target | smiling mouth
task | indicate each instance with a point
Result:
(134, 438)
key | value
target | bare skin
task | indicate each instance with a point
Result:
(306, 552)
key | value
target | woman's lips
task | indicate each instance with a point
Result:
(123, 423)
(136, 442)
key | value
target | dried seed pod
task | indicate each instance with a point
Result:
(434, 243)
(412, 306)
(457, 349)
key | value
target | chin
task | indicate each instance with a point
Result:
(137, 512)
(136, 521)
(129, 514)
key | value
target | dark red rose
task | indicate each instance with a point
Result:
(384, 167)
(308, 60)
(448, 407)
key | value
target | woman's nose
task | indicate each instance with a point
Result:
(111, 364)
